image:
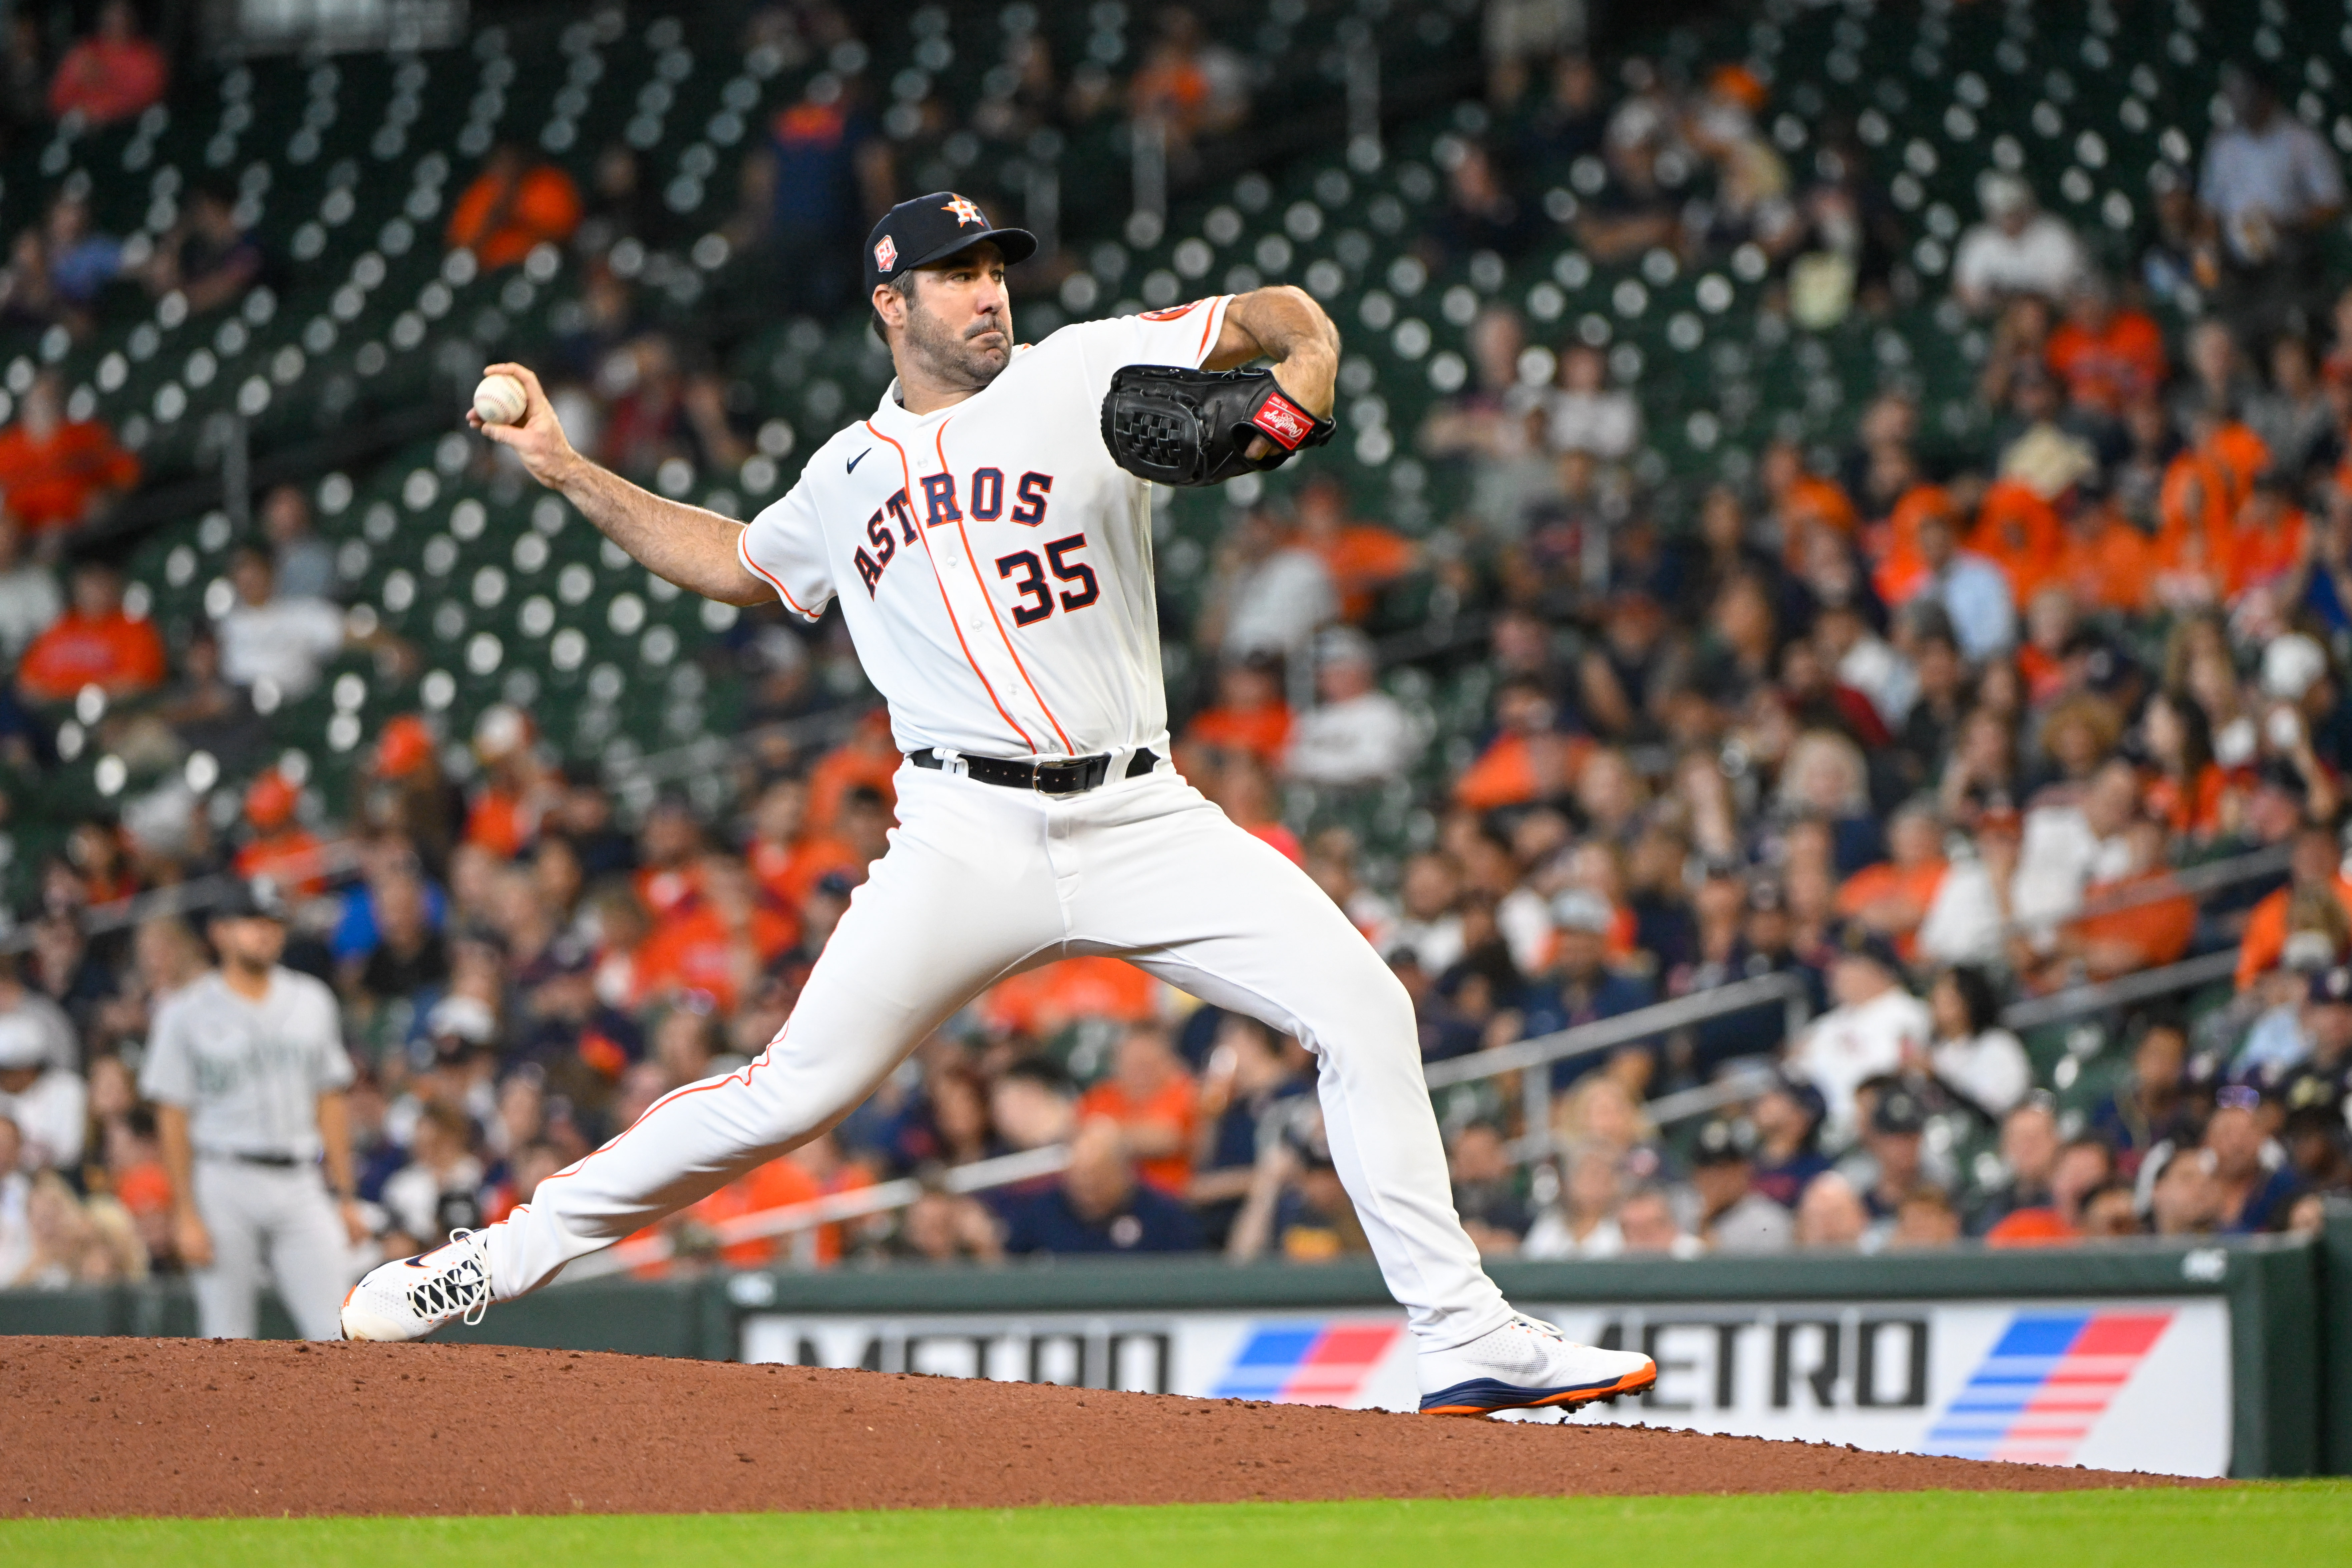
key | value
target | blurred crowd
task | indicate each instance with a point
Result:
(1928, 732)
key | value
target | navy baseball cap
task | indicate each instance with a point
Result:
(928, 228)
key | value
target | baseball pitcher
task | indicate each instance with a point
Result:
(987, 531)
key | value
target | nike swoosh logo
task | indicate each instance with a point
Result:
(858, 460)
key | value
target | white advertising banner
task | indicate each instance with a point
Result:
(2137, 1384)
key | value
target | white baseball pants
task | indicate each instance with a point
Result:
(286, 1218)
(982, 883)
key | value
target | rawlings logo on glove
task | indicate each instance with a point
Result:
(1179, 427)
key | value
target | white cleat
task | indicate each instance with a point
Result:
(1527, 1364)
(410, 1298)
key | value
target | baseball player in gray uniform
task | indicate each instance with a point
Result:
(246, 1068)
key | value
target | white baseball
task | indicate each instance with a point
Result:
(500, 400)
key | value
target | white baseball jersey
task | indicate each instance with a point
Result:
(992, 561)
(248, 1073)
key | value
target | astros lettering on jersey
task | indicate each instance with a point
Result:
(992, 562)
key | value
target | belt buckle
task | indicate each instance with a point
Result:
(1066, 776)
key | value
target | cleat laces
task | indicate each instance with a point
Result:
(461, 1285)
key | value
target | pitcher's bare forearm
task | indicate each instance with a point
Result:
(685, 544)
(682, 544)
(1285, 324)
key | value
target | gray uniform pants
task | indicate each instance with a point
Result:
(286, 1215)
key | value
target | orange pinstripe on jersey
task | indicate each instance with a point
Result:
(939, 445)
(907, 473)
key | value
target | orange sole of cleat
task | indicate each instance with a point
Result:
(1631, 1383)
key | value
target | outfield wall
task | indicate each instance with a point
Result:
(2222, 1358)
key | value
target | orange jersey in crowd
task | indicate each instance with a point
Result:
(1177, 1105)
(2140, 935)
(1046, 1000)
(844, 768)
(1914, 886)
(2018, 531)
(1899, 573)
(503, 220)
(1262, 732)
(2108, 368)
(292, 857)
(2265, 940)
(107, 79)
(502, 822)
(2113, 568)
(693, 950)
(2196, 810)
(49, 483)
(111, 651)
(779, 1183)
(1362, 560)
(1505, 773)
(1808, 502)
(2260, 554)
(790, 872)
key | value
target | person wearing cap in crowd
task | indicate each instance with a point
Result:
(281, 848)
(1876, 1027)
(1890, 1164)
(1581, 987)
(2252, 1178)
(47, 1100)
(1733, 1216)
(2018, 250)
(1356, 735)
(2316, 1133)
(2311, 1001)
(2315, 865)
(1787, 1119)
(404, 792)
(246, 1066)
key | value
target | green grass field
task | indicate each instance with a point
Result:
(2275, 1524)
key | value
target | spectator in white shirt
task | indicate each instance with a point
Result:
(1588, 415)
(2268, 187)
(1582, 1221)
(1875, 1028)
(283, 639)
(47, 1103)
(1271, 595)
(2069, 845)
(30, 596)
(1973, 1056)
(2018, 250)
(1360, 735)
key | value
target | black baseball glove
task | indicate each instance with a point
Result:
(1178, 426)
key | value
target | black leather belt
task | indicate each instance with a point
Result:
(1056, 775)
(274, 1161)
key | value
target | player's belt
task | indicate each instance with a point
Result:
(248, 1157)
(1058, 775)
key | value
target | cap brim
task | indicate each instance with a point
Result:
(1018, 245)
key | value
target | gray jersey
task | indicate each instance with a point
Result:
(248, 1073)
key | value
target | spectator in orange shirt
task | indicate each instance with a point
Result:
(2017, 528)
(2108, 357)
(519, 789)
(669, 857)
(1040, 1002)
(2187, 790)
(56, 472)
(512, 207)
(1892, 896)
(2268, 540)
(1155, 1103)
(92, 644)
(1800, 501)
(2152, 921)
(778, 1185)
(717, 944)
(2313, 865)
(787, 858)
(1249, 716)
(1528, 759)
(1363, 557)
(2102, 561)
(112, 75)
(280, 848)
(1899, 571)
(869, 756)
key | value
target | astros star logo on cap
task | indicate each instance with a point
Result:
(886, 254)
(965, 212)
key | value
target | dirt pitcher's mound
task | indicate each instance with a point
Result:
(185, 1426)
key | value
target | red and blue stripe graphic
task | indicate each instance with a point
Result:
(2045, 1384)
(1307, 1364)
